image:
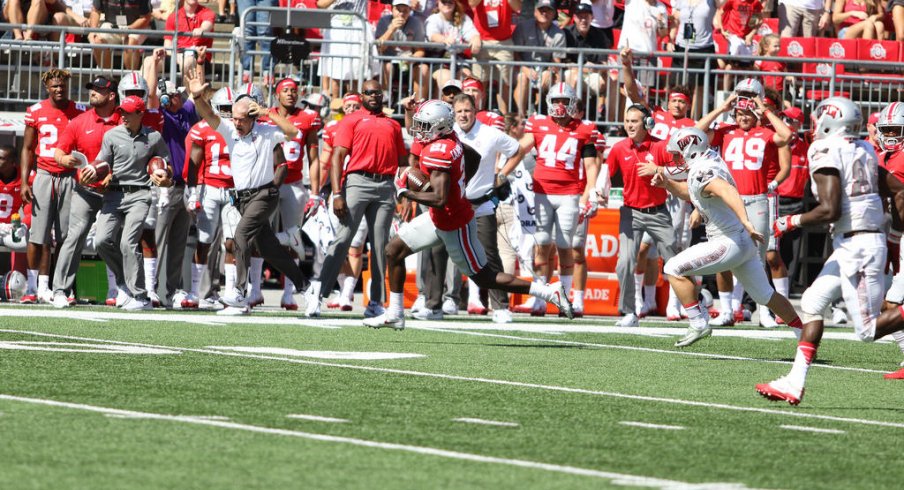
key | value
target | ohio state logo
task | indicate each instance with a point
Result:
(691, 139)
(795, 49)
(836, 50)
(823, 69)
(831, 111)
(877, 52)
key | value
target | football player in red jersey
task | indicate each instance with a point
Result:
(12, 239)
(564, 178)
(450, 221)
(52, 189)
(750, 151)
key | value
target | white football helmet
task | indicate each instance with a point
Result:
(891, 120)
(691, 143)
(222, 101)
(133, 83)
(12, 286)
(836, 116)
(251, 90)
(432, 120)
(319, 103)
(561, 91)
(747, 89)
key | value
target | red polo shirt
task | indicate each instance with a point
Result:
(188, 24)
(86, 132)
(796, 182)
(374, 142)
(625, 157)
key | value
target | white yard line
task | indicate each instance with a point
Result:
(213, 320)
(651, 426)
(317, 418)
(501, 382)
(486, 422)
(812, 429)
(620, 478)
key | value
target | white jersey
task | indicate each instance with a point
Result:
(858, 165)
(719, 218)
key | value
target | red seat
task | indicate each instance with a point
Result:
(819, 95)
(838, 49)
(800, 47)
(884, 51)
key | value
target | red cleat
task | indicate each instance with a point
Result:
(781, 390)
(29, 299)
(333, 304)
(713, 313)
(739, 315)
(899, 374)
(476, 309)
(289, 306)
(110, 302)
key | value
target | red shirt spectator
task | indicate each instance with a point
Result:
(493, 19)
(796, 182)
(374, 142)
(625, 157)
(191, 26)
(736, 15)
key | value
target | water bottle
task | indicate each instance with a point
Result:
(16, 222)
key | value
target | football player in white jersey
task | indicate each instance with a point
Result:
(732, 239)
(845, 173)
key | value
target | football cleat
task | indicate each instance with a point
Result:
(419, 303)
(374, 310)
(60, 300)
(673, 314)
(723, 320)
(234, 299)
(333, 304)
(288, 304)
(385, 321)
(29, 298)
(154, 299)
(476, 309)
(256, 299)
(781, 390)
(693, 335)
(449, 307)
(502, 316)
(345, 304)
(561, 301)
(899, 374)
(234, 311)
(427, 314)
(629, 320)
(766, 319)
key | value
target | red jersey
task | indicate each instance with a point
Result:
(625, 157)
(493, 19)
(49, 122)
(10, 199)
(374, 142)
(306, 121)
(188, 24)
(85, 133)
(216, 170)
(797, 180)
(560, 151)
(776, 82)
(750, 156)
(665, 124)
(445, 155)
(736, 16)
(894, 163)
(491, 119)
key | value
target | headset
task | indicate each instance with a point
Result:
(648, 121)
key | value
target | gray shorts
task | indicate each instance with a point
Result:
(559, 210)
(216, 208)
(464, 249)
(50, 209)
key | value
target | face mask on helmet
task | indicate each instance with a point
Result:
(432, 120)
(891, 136)
(745, 102)
(12, 286)
(559, 108)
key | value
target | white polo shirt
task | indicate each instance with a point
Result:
(251, 156)
(490, 143)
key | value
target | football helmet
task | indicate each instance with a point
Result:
(222, 101)
(133, 83)
(748, 89)
(12, 286)
(318, 103)
(891, 120)
(432, 120)
(252, 91)
(836, 116)
(691, 143)
(561, 91)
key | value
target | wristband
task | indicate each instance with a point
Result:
(795, 220)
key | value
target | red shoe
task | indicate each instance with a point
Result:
(779, 320)
(781, 390)
(256, 301)
(29, 299)
(71, 300)
(110, 302)
(899, 374)
(713, 313)
(289, 306)
(739, 315)
(522, 309)
(333, 304)
(476, 309)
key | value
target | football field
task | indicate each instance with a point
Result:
(95, 398)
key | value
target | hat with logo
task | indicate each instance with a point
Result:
(583, 8)
(101, 82)
(545, 4)
(794, 113)
(131, 104)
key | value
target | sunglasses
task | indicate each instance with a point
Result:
(373, 93)
(451, 91)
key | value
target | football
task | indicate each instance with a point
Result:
(101, 170)
(417, 180)
(159, 166)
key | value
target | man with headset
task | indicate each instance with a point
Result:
(644, 209)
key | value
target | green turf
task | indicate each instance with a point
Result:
(53, 447)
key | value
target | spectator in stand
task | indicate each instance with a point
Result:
(582, 34)
(895, 8)
(603, 12)
(805, 18)
(644, 22)
(450, 25)
(256, 31)
(14, 13)
(738, 20)
(858, 19)
(340, 55)
(540, 32)
(872, 134)
(692, 32)
(160, 11)
(73, 15)
(126, 15)
(402, 27)
(494, 20)
(769, 47)
(195, 20)
(229, 18)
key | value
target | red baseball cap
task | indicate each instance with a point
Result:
(472, 83)
(132, 104)
(794, 113)
(873, 118)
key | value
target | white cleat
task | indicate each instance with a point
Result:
(629, 320)
(449, 307)
(209, 304)
(419, 304)
(766, 319)
(559, 298)
(385, 321)
(234, 298)
(427, 314)
(839, 317)
(673, 314)
(45, 296)
(781, 389)
(502, 316)
(234, 311)
(723, 320)
(135, 304)
(693, 335)
(60, 300)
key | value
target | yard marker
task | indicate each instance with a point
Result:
(486, 422)
(812, 429)
(317, 418)
(651, 426)
(619, 478)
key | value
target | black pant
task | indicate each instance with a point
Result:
(254, 231)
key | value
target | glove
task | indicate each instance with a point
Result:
(771, 188)
(893, 263)
(590, 209)
(785, 224)
(312, 206)
(502, 187)
(401, 181)
(164, 199)
(192, 199)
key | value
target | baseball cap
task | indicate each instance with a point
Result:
(472, 83)
(583, 8)
(452, 83)
(545, 3)
(171, 88)
(794, 113)
(131, 104)
(406, 3)
(873, 118)
(101, 82)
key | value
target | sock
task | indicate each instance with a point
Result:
(396, 305)
(111, 280)
(348, 288)
(649, 293)
(567, 281)
(737, 294)
(197, 272)
(229, 273)
(256, 274)
(725, 302)
(695, 315)
(341, 279)
(150, 273)
(796, 324)
(673, 300)
(32, 280)
(578, 301)
(638, 290)
(43, 282)
(474, 293)
(781, 285)
(806, 353)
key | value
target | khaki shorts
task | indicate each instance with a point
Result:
(481, 70)
(111, 38)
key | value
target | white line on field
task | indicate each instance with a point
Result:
(317, 418)
(812, 429)
(486, 422)
(500, 382)
(622, 479)
(103, 316)
(651, 426)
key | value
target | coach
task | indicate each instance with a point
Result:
(644, 209)
(252, 149)
(375, 150)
